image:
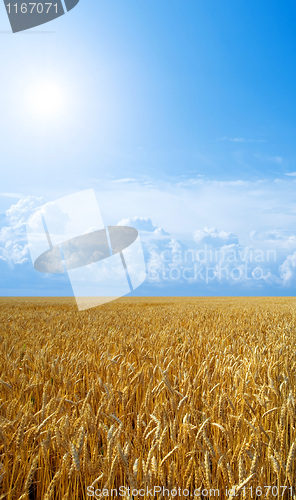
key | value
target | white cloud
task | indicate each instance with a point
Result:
(272, 159)
(198, 181)
(125, 179)
(236, 205)
(234, 218)
(11, 195)
(234, 183)
(211, 236)
(192, 181)
(215, 258)
(13, 240)
(132, 181)
(288, 270)
(240, 139)
(216, 261)
(142, 224)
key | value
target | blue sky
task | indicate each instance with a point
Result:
(182, 112)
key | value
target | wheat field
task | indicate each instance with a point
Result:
(191, 396)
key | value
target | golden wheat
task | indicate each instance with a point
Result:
(190, 393)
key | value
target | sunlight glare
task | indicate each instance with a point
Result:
(45, 100)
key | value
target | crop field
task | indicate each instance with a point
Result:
(148, 398)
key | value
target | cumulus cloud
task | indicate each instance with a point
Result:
(211, 236)
(288, 270)
(212, 260)
(215, 259)
(13, 240)
(143, 224)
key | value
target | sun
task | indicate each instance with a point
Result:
(45, 100)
